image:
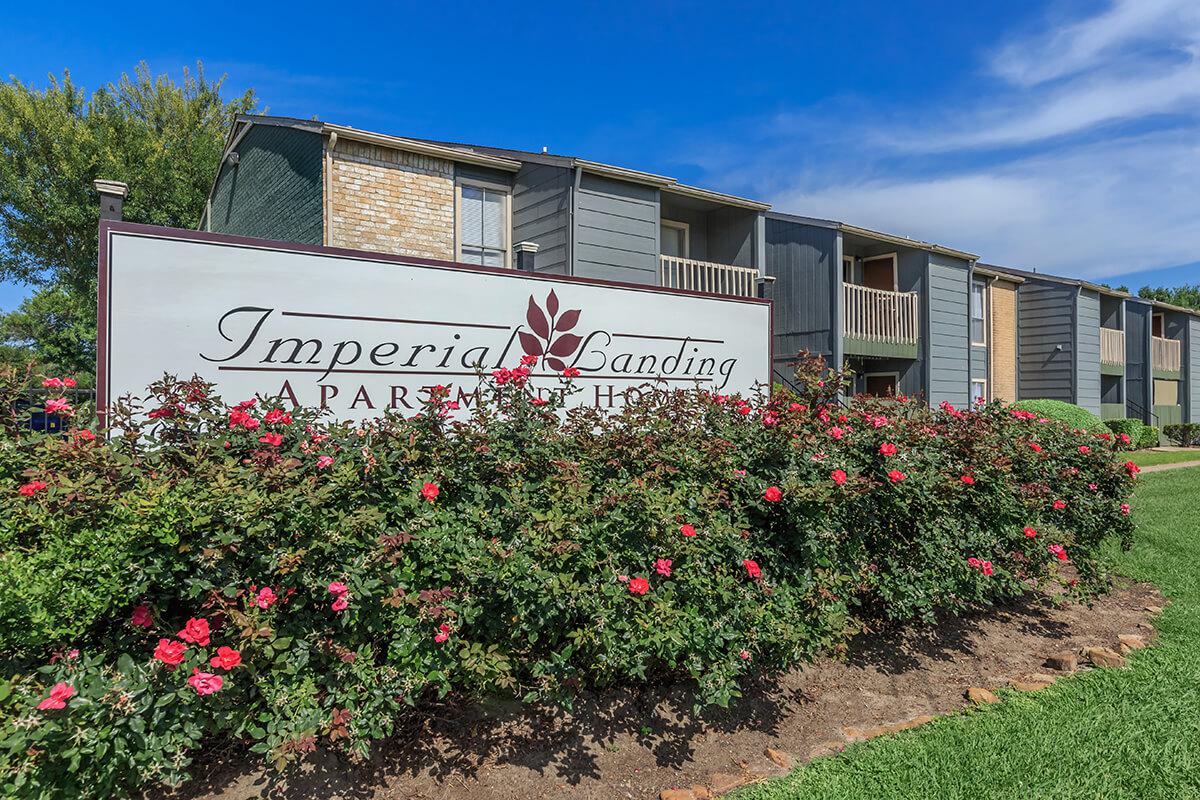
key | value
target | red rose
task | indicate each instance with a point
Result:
(205, 682)
(170, 653)
(772, 494)
(986, 567)
(277, 416)
(273, 439)
(32, 488)
(570, 372)
(1059, 505)
(663, 567)
(1083, 448)
(59, 695)
(1125, 509)
(1058, 551)
(895, 476)
(1035, 447)
(226, 658)
(687, 530)
(430, 491)
(195, 631)
(639, 586)
(968, 480)
(839, 476)
(752, 568)
(1132, 468)
(887, 449)
(1030, 532)
(141, 617)
(443, 633)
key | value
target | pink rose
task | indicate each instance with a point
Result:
(205, 682)
(59, 694)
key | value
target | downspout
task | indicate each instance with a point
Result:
(575, 183)
(1075, 398)
(328, 189)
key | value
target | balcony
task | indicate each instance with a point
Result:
(1112, 350)
(1165, 356)
(707, 276)
(876, 322)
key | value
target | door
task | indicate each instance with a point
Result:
(880, 273)
(881, 385)
(673, 238)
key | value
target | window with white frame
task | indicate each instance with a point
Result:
(978, 390)
(483, 214)
(978, 312)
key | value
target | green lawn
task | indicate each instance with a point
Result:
(1147, 458)
(1127, 733)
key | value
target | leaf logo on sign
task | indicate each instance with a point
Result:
(550, 338)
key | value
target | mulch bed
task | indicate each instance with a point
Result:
(633, 744)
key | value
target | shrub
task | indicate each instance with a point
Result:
(1148, 437)
(1128, 431)
(270, 578)
(1186, 434)
(1066, 413)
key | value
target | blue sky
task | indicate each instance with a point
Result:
(1063, 136)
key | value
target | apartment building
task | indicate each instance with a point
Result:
(1105, 350)
(317, 183)
(909, 317)
(895, 309)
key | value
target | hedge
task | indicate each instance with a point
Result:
(1067, 413)
(255, 575)
(1185, 434)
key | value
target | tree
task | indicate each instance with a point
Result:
(163, 139)
(1187, 295)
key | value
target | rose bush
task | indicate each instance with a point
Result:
(255, 573)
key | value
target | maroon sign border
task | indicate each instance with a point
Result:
(104, 275)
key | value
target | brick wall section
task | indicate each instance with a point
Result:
(390, 201)
(1003, 351)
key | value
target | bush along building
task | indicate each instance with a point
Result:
(896, 309)
(312, 182)
(1105, 350)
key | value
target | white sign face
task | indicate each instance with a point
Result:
(360, 333)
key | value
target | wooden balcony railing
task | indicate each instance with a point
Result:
(875, 315)
(1112, 346)
(1165, 353)
(707, 276)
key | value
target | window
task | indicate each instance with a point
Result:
(978, 304)
(1166, 393)
(978, 390)
(673, 238)
(483, 225)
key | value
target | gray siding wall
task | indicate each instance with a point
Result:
(801, 258)
(1193, 372)
(616, 231)
(949, 333)
(1087, 350)
(1137, 360)
(541, 212)
(1046, 324)
(731, 236)
(274, 192)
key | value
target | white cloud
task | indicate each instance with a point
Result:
(1107, 209)
(1083, 159)
(1095, 40)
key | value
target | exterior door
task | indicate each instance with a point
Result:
(880, 273)
(881, 385)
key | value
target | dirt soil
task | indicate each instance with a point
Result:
(633, 744)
